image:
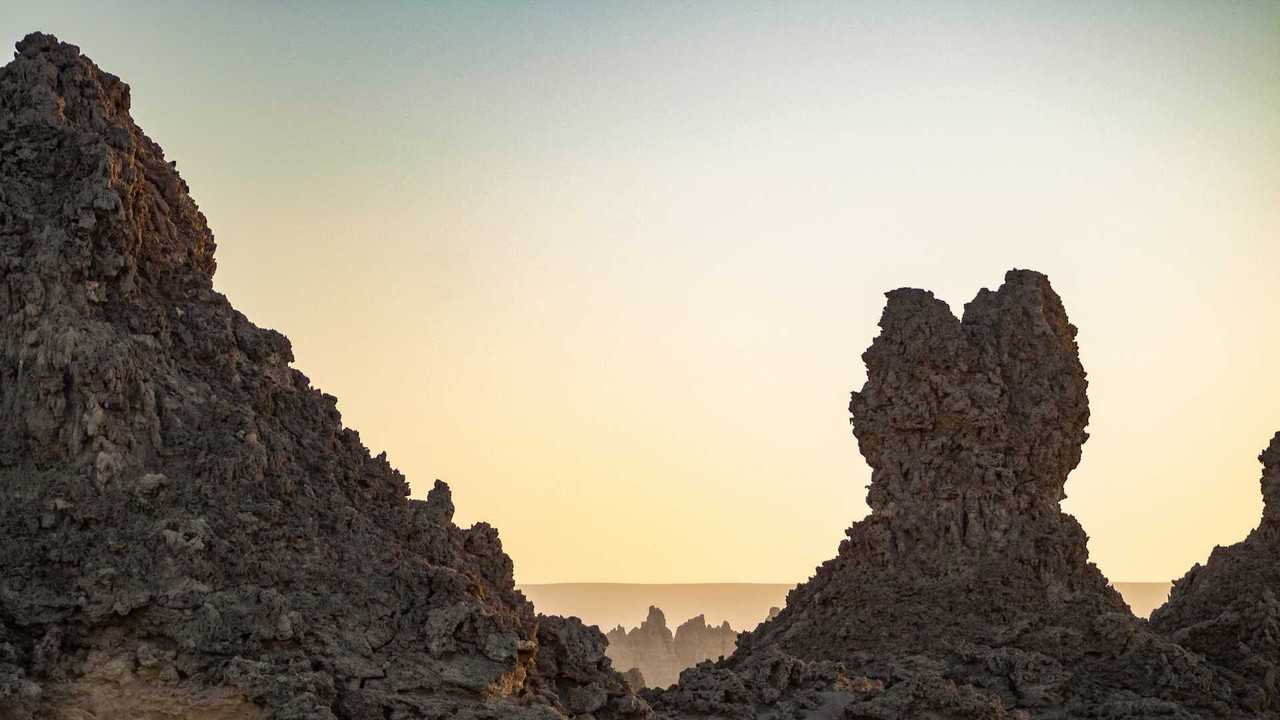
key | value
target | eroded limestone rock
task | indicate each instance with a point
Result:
(188, 529)
(967, 593)
(658, 655)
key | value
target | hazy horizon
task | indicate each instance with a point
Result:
(618, 265)
(743, 605)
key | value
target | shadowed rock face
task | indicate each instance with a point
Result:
(967, 593)
(189, 531)
(1229, 609)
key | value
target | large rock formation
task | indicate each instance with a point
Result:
(188, 529)
(659, 655)
(967, 593)
(1229, 609)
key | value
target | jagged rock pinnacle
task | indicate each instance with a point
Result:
(1270, 459)
(971, 425)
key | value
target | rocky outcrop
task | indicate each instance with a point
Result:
(967, 593)
(659, 656)
(188, 529)
(649, 648)
(1228, 609)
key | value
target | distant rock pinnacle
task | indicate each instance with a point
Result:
(1229, 609)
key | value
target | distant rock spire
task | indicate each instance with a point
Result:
(186, 527)
(971, 424)
(1270, 459)
(115, 211)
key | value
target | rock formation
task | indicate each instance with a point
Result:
(1228, 609)
(697, 641)
(967, 593)
(659, 656)
(649, 648)
(188, 529)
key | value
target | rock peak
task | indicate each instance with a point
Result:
(970, 422)
(181, 509)
(440, 503)
(656, 617)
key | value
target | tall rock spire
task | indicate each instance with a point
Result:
(967, 593)
(108, 207)
(971, 426)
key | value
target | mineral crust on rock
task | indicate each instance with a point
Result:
(187, 528)
(1229, 609)
(967, 593)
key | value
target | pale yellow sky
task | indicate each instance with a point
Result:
(608, 269)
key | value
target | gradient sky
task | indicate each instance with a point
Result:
(608, 268)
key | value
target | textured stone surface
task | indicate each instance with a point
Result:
(967, 593)
(188, 529)
(659, 655)
(1229, 609)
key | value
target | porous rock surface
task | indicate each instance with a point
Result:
(1229, 608)
(187, 528)
(967, 593)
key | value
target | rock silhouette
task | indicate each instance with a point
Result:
(967, 593)
(1228, 610)
(189, 531)
(659, 656)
